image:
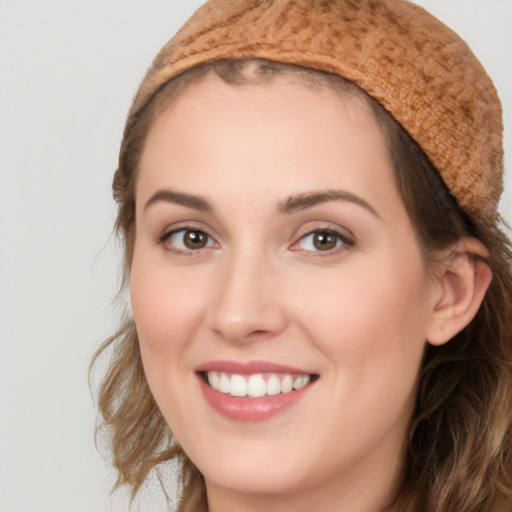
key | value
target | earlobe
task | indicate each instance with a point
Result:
(463, 279)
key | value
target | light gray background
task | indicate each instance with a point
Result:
(68, 71)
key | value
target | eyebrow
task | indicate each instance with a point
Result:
(309, 199)
(180, 198)
(289, 205)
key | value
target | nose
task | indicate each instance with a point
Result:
(247, 303)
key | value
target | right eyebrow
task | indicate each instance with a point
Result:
(310, 199)
(180, 198)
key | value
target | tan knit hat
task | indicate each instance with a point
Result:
(415, 66)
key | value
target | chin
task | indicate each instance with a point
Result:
(250, 468)
(256, 479)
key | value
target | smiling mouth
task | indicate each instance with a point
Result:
(256, 385)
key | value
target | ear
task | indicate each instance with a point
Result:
(462, 280)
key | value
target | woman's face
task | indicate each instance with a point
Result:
(273, 249)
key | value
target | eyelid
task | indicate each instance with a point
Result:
(185, 226)
(344, 235)
(309, 229)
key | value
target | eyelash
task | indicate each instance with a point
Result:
(342, 243)
(165, 238)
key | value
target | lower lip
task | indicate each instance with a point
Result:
(250, 410)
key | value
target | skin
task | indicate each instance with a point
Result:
(358, 315)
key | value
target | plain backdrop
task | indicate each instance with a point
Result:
(68, 72)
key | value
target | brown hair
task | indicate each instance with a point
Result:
(460, 439)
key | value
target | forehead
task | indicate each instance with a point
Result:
(285, 136)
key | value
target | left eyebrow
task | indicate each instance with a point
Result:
(309, 199)
(180, 198)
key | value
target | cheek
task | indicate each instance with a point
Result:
(166, 306)
(372, 324)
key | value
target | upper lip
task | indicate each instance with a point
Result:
(249, 367)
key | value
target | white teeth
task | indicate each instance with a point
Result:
(273, 386)
(287, 384)
(224, 383)
(300, 382)
(213, 379)
(255, 386)
(238, 386)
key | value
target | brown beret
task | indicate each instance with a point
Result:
(416, 67)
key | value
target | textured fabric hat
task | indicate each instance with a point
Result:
(416, 67)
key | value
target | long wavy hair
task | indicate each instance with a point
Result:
(459, 447)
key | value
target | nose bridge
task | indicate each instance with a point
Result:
(245, 304)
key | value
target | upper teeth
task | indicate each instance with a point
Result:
(256, 385)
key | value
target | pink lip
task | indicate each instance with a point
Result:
(247, 368)
(249, 409)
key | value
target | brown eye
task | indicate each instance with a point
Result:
(195, 239)
(325, 240)
(188, 240)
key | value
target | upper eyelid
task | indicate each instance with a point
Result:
(177, 229)
(326, 230)
(307, 229)
(345, 238)
(188, 226)
(164, 241)
(303, 231)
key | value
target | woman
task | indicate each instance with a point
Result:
(321, 295)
